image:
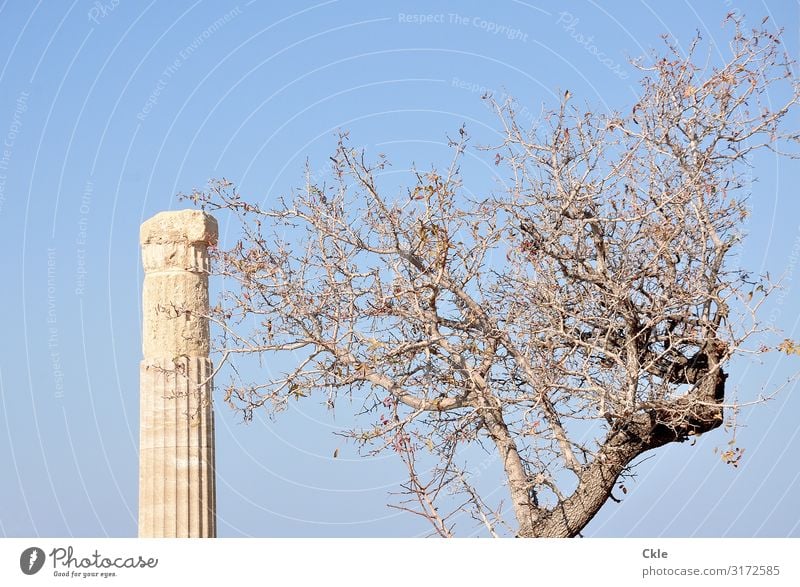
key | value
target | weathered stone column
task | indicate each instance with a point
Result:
(177, 490)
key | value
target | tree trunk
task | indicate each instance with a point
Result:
(692, 414)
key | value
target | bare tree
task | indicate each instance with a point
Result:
(569, 324)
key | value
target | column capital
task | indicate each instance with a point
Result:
(177, 240)
(179, 226)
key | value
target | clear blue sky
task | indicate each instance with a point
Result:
(108, 109)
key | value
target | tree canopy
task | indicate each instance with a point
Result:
(569, 323)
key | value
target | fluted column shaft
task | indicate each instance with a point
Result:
(177, 492)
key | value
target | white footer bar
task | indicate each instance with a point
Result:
(407, 562)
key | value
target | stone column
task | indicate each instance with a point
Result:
(177, 490)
